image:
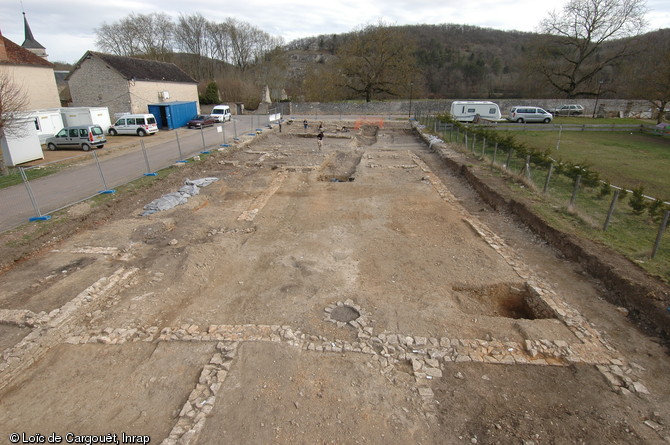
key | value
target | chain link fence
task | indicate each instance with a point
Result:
(39, 191)
(626, 220)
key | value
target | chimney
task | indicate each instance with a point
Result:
(3, 50)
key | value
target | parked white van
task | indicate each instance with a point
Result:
(472, 110)
(139, 124)
(221, 113)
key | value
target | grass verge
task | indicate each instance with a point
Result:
(628, 233)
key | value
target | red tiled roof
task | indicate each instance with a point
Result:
(16, 55)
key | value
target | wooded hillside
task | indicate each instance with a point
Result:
(468, 61)
(603, 55)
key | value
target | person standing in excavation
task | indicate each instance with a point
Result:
(319, 139)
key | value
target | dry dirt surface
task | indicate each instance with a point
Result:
(357, 294)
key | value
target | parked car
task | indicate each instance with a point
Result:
(202, 120)
(221, 113)
(80, 136)
(529, 114)
(567, 110)
(138, 124)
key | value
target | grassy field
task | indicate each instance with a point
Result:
(624, 159)
(600, 121)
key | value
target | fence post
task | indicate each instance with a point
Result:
(495, 154)
(31, 195)
(509, 158)
(578, 180)
(548, 178)
(202, 135)
(661, 229)
(610, 212)
(484, 148)
(527, 167)
(465, 139)
(106, 190)
(146, 160)
(223, 130)
(474, 141)
(181, 156)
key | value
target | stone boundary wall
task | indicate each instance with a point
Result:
(605, 106)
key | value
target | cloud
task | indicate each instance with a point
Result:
(67, 27)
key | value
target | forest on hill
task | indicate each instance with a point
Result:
(460, 61)
(234, 61)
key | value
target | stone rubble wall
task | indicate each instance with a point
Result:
(627, 108)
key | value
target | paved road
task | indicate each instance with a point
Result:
(78, 183)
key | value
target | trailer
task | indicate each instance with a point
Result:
(171, 115)
(21, 144)
(73, 116)
(473, 111)
(47, 122)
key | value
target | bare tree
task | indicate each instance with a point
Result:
(220, 41)
(378, 60)
(117, 38)
(192, 37)
(649, 78)
(572, 54)
(13, 100)
(149, 35)
(241, 43)
(155, 35)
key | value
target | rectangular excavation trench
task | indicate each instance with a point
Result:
(509, 300)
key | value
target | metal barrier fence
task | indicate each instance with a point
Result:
(50, 187)
(605, 210)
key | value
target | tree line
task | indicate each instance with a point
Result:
(156, 36)
(589, 48)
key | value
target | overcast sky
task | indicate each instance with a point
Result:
(67, 27)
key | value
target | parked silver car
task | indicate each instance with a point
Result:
(529, 114)
(80, 136)
(567, 110)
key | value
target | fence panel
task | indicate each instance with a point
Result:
(586, 208)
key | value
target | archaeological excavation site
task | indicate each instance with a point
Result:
(362, 292)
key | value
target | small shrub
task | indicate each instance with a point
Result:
(637, 201)
(211, 95)
(605, 190)
(656, 210)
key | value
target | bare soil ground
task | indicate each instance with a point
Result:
(361, 293)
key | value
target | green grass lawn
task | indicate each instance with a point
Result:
(624, 159)
(579, 120)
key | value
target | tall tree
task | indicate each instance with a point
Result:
(649, 78)
(191, 37)
(377, 61)
(248, 44)
(572, 53)
(13, 100)
(149, 35)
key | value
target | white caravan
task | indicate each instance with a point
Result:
(473, 110)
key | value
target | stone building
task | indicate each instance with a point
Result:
(31, 73)
(127, 84)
